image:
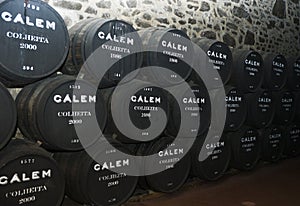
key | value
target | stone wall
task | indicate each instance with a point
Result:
(264, 25)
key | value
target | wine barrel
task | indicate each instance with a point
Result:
(220, 56)
(194, 107)
(235, 105)
(275, 71)
(8, 116)
(46, 113)
(261, 108)
(32, 33)
(116, 40)
(172, 157)
(29, 176)
(297, 112)
(144, 104)
(167, 48)
(248, 67)
(217, 157)
(292, 140)
(285, 107)
(91, 183)
(293, 79)
(246, 148)
(272, 143)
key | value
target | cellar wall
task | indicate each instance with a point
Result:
(262, 25)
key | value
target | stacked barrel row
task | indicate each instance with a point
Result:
(34, 42)
(62, 117)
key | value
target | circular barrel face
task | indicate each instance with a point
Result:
(292, 140)
(248, 66)
(217, 157)
(115, 188)
(272, 144)
(197, 106)
(8, 116)
(144, 102)
(57, 118)
(275, 71)
(98, 185)
(30, 178)
(170, 49)
(293, 80)
(261, 109)
(220, 56)
(60, 105)
(146, 105)
(236, 109)
(285, 107)
(112, 45)
(245, 148)
(36, 41)
(173, 159)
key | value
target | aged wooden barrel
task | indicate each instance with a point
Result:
(246, 148)
(261, 108)
(275, 71)
(293, 79)
(220, 56)
(8, 116)
(29, 176)
(174, 160)
(217, 153)
(119, 43)
(46, 113)
(292, 140)
(235, 105)
(247, 70)
(35, 39)
(168, 48)
(145, 104)
(297, 113)
(92, 183)
(273, 143)
(285, 107)
(197, 106)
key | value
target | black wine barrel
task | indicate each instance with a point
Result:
(297, 112)
(144, 104)
(293, 79)
(116, 41)
(247, 70)
(194, 107)
(261, 108)
(285, 107)
(29, 176)
(235, 105)
(217, 154)
(236, 109)
(91, 183)
(292, 140)
(46, 113)
(167, 48)
(220, 56)
(172, 157)
(32, 33)
(246, 148)
(272, 143)
(8, 116)
(275, 71)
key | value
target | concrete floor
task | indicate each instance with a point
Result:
(268, 185)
